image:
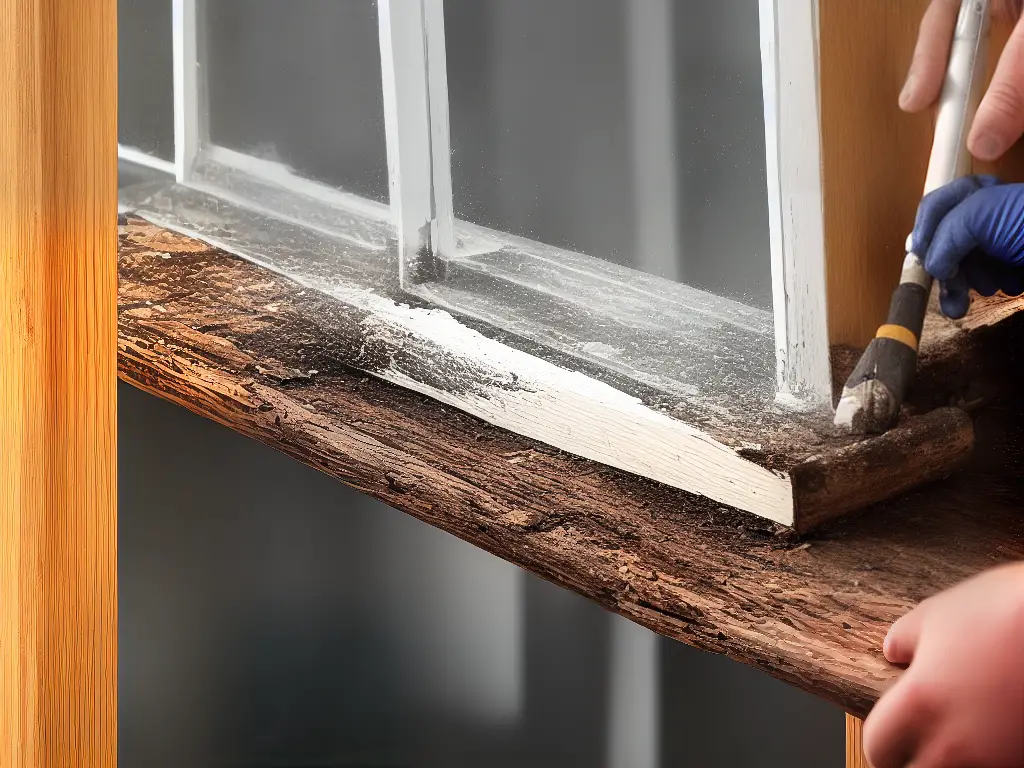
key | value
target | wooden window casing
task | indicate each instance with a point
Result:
(58, 376)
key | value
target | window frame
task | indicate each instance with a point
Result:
(622, 427)
(190, 133)
(789, 58)
(419, 151)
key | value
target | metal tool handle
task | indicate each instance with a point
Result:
(876, 389)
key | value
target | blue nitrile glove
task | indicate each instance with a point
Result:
(971, 235)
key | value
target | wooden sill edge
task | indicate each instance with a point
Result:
(203, 330)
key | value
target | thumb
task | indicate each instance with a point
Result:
(1000, 119)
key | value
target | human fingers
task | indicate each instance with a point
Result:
(937, 205)
(901, 641)
(999, 122)
(989, 276)
(899, 724)
(955, 296)
(953, 242)
(931, 56)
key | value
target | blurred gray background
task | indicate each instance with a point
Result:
(629, 130)
(271, 616)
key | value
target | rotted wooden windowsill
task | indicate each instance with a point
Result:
(238, 344)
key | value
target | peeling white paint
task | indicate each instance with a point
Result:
(590, 419)
(789, 57)
(517, 391)
(568, 409)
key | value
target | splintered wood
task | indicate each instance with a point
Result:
(918, 451)
(789, 467)
(196, 329)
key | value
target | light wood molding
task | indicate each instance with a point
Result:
(58, 345)
(855, 757)
(874, 157)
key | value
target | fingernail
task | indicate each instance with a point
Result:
(988, 146)
(887, 647)
(908, 90)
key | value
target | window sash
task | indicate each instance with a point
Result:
(189, 111)
(789, 66)
(415, 90)
(415, 80)
(421, 185)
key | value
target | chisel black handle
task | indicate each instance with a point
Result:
(875, 391)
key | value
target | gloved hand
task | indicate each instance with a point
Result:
(971, 235)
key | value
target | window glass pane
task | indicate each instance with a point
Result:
(629, 130)
(145, 77)
(299, 83)
(720, 148)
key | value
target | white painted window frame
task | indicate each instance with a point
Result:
(415, 89)
(416, 117)
(789, 67)
(189, 114)
(415, 84)
(565, 404)
(139, 157)
(188, 121)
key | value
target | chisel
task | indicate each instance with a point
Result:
(874, 393)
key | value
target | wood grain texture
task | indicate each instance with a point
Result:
(58, 205)
(506, 367)
(855, 743)
(248, 349)
(918, 450)
(874, 156)
(727, 442)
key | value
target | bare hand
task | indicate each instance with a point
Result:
(961, 702)
(1000, 120)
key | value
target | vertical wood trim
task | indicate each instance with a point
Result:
(188, 116)
(58, 348)
(855, 743)
(874, 157)
(415, 86)
(793, 141)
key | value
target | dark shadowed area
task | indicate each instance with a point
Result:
(271, 616)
